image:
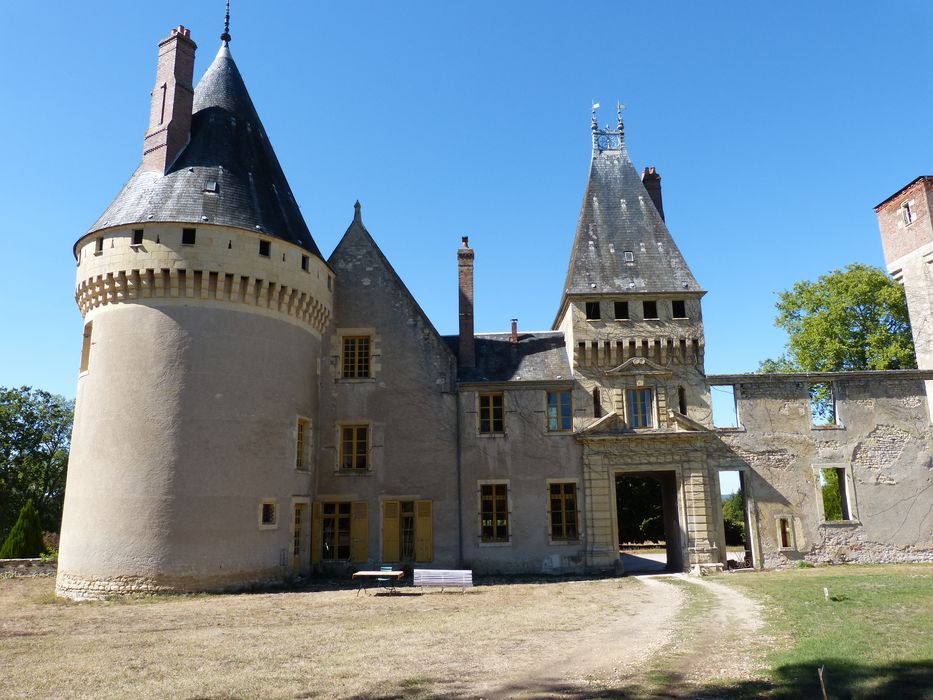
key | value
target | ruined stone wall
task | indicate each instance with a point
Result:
(883, 443)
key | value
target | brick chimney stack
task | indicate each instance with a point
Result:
(172, 100)
(465, 270)
(651, 179)
(514, 337)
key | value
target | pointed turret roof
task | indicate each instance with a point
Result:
(618, 217)
(228, 173)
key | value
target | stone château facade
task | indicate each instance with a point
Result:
(248, 411)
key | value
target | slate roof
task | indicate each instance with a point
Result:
(618, 215)
(228, 146)
(535, 357)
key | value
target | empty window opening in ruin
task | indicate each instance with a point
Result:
(822, 405)
(492, 413)
(621, 309)
(86, 347)
(559, 411)
(137, 236)
(265, 248)
(648, 522)
(832, 482)
(679, 308)
(682, 400)
(650, 310)
(735, 521)
(725, 408)
(494, 512)
(785, 533)
(908, 213)
(188, 236)
(640, 408)
(592, 311)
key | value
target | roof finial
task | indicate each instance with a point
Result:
(595, 123)
(357, 216)
(225, 37)
(619, 108)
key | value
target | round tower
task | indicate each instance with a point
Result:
(205, 300)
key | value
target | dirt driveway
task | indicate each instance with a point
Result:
(629, 637)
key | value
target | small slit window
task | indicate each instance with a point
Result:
(679, 308)
(592, 310)
(305, 260)
(265, 248)
(650, 309)
(98, 246)
(268, 515)
(621, 309)
(137, 236)
(908, 213)
(188, 236)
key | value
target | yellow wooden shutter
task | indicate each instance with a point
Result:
(390, 531)
(359, 531)
(316, 533)
(424, 531)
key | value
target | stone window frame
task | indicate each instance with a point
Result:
(479, 512)
(304, 436)
(848, 484)
(547, 411)
(588, 306)
(86, 343)
(264, 522)
(558, 541)
(627, 408)
(375, 356)
(491, 433)
(837, 423)
(791, 532)
(341, 425)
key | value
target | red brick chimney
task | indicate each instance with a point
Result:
(465, 269)
(514, 337)
(172, 99)
(652, 182)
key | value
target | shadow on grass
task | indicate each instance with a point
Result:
(845, 680)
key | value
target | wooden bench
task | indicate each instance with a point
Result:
(443, 578)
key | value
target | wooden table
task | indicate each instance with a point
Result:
(363, 576)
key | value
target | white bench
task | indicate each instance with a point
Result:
(443, 578)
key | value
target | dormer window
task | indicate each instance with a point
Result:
(629, 256)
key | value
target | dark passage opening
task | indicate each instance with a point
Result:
(649, 528)
(735, 521)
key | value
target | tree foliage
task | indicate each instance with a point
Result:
(852, 319)
(733, 515)
(35, 435)
(25, 539)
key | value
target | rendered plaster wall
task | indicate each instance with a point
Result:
(185, 422)
(884, 442)
(408, 402)
(526, 457)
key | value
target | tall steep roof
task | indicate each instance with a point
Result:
(229, 147)
(618, 216)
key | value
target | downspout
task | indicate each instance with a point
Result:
(459, 485)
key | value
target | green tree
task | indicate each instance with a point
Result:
(733, 514)
(25, 539)
(852, 319)
(35, 435)
(640, 510)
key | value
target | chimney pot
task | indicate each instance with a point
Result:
(651, 180)
(514, 330)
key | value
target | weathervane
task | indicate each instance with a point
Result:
(608, 139)
(225, 37)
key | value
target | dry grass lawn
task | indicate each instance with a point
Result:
(491, 640)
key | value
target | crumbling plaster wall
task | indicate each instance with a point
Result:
(883, 439)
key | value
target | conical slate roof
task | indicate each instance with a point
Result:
(229, 147)
(618, 216)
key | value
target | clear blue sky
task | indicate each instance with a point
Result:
(776, 128)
